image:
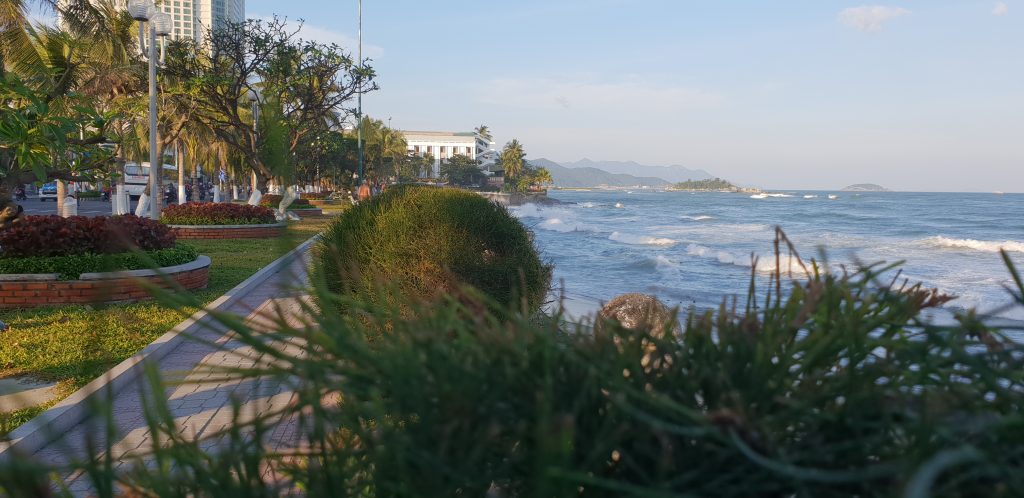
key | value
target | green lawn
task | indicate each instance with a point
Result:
(74, 344)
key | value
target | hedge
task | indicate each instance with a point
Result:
(40, 236)
(70, 267)
(217, 213)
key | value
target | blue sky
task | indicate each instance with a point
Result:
(916, 95)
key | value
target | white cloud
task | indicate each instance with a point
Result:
(870, 17)
(1001, 9)
(632, 96)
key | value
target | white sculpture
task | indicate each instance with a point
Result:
(143, 206)
(290, 194)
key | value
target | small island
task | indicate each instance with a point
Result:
(709, 185)
(865, 187)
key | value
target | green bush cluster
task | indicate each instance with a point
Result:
(839, 389)
(426, 242)
(70, 267)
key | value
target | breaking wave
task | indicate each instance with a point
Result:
(977, 245)
(765, 264)
(641, 240)
(697, 218)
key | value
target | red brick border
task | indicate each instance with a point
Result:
(228, 231)
(32, 291)
(323, 202)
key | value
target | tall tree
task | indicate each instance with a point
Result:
(484, 132)
(313, 83)
(513, 160)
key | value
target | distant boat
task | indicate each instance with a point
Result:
(833, 196)
(998, 192)
(759, 196)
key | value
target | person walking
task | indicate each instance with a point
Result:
(364, 192)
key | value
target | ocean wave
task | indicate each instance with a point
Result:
(641, 240)
(810, 197)
(977, 245)
(697, 218)
(564, 226)
(589, 204)
(765, 265)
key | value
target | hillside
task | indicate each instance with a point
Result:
(671, 174)
(584, 177)
(865, 187)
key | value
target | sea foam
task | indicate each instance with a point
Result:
(641, 240)
(977, 245)
(697, 218)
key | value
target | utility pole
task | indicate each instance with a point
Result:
(359, 90)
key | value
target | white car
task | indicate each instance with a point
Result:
(48, 191)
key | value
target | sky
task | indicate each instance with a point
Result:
(914, 95)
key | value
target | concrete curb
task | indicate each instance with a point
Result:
(47, 426)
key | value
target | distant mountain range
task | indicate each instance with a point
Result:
(587, 173)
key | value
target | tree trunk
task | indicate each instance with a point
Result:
(178, 149)
(62, 191)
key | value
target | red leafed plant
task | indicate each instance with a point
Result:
(56, 236)
(316, 195)
(274, 200)
(215, 213)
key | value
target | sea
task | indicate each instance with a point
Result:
(694, 249)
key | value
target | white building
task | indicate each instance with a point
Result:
(444, 145)
(193, 18)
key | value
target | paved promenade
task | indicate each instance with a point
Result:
(201, 404)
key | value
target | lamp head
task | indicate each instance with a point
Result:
(163, 23)
(253, 96)
(141, 10)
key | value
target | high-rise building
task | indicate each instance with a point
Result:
(192, 18)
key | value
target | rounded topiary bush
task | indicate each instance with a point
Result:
(426, 242)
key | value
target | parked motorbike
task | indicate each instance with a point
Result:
(19, 194)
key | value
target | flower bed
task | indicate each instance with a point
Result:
(315, 196)
(49, 260)
(42, 236)
(42, 289)
(273, 201)
(217, 213)
(263, 231)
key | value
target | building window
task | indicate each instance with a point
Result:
(442, 149)
(430, 149)
(417, 149)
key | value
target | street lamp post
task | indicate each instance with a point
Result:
(160, 25)
(254, 100)
(359, 91)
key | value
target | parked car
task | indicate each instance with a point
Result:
(48, 191)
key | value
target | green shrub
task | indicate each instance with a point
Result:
(839, 389)
(70, 267)
(88, 194)
(425, 242)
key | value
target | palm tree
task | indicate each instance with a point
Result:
(513, 159)
(542, 176)
(484, 132)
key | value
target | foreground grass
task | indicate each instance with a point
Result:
(72, 345)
